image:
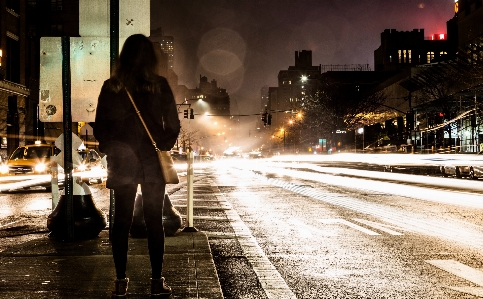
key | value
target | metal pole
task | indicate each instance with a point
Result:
(37, 123)
(114, 51)
(111, 211)
(67, 122)
(114, 31)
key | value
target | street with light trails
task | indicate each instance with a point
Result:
(304, 228)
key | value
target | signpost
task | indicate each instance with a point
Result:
(73, 69)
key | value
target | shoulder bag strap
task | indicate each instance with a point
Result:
(142, 120)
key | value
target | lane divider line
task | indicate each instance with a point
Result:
(349, 224)
(379, 226)
(415, 223)
(459, 269)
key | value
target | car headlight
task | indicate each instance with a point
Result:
(41, 167)
(4, 169)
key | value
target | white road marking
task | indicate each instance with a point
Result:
(379, 226)
(448, 229)
(10, 223)
(301, 226)
(270, 279)
(349, 224)
(477, 291)
(460, 270)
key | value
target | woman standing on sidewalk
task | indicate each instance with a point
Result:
(131, 157)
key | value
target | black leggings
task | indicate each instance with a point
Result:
(124, 196)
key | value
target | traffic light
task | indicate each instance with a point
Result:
(269, 119)
(264, 118)
(185, 113)
(409, 121)
(192, 114)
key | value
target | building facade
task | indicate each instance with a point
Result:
(438, 94)
(293, 86)
(406, 49)
(166, 44)
(208, 98)
(15, 76)
(470, 27)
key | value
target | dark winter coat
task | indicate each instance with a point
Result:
(131, 157)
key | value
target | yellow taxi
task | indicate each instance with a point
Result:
(30, 159)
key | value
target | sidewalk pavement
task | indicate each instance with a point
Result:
(49, 268)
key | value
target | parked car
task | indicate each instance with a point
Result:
(471, 167)
(255, 155)
(179, 158)
(91, 164)
(30, 159)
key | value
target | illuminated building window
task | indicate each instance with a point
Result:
(430, 56)
(400, 55)
(32, 4)
(404, 56)
(390, 58)
(56, 29)
(443, 53)
(409, 56)
(55, 5)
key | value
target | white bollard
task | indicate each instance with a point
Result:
(54, 184)
(189, 209)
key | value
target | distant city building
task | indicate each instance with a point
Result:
(435, 55)
(405, 49)
(468, 14)
(14, 73)
(22, 24)
(293, 84)
(264, 98)
(264, 102)
(209, 98)
(166, 43)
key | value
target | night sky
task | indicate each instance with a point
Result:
(243, 44)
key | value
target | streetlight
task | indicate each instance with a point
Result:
(361, 131)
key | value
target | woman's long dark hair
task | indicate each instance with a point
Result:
(136, 66)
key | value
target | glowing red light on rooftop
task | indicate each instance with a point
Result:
(438, 36)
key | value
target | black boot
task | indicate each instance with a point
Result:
(159, 289)
(120, 288)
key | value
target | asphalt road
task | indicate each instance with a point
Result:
(291, 230)
(333, 235)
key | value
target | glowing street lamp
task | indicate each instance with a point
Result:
(361, 131)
